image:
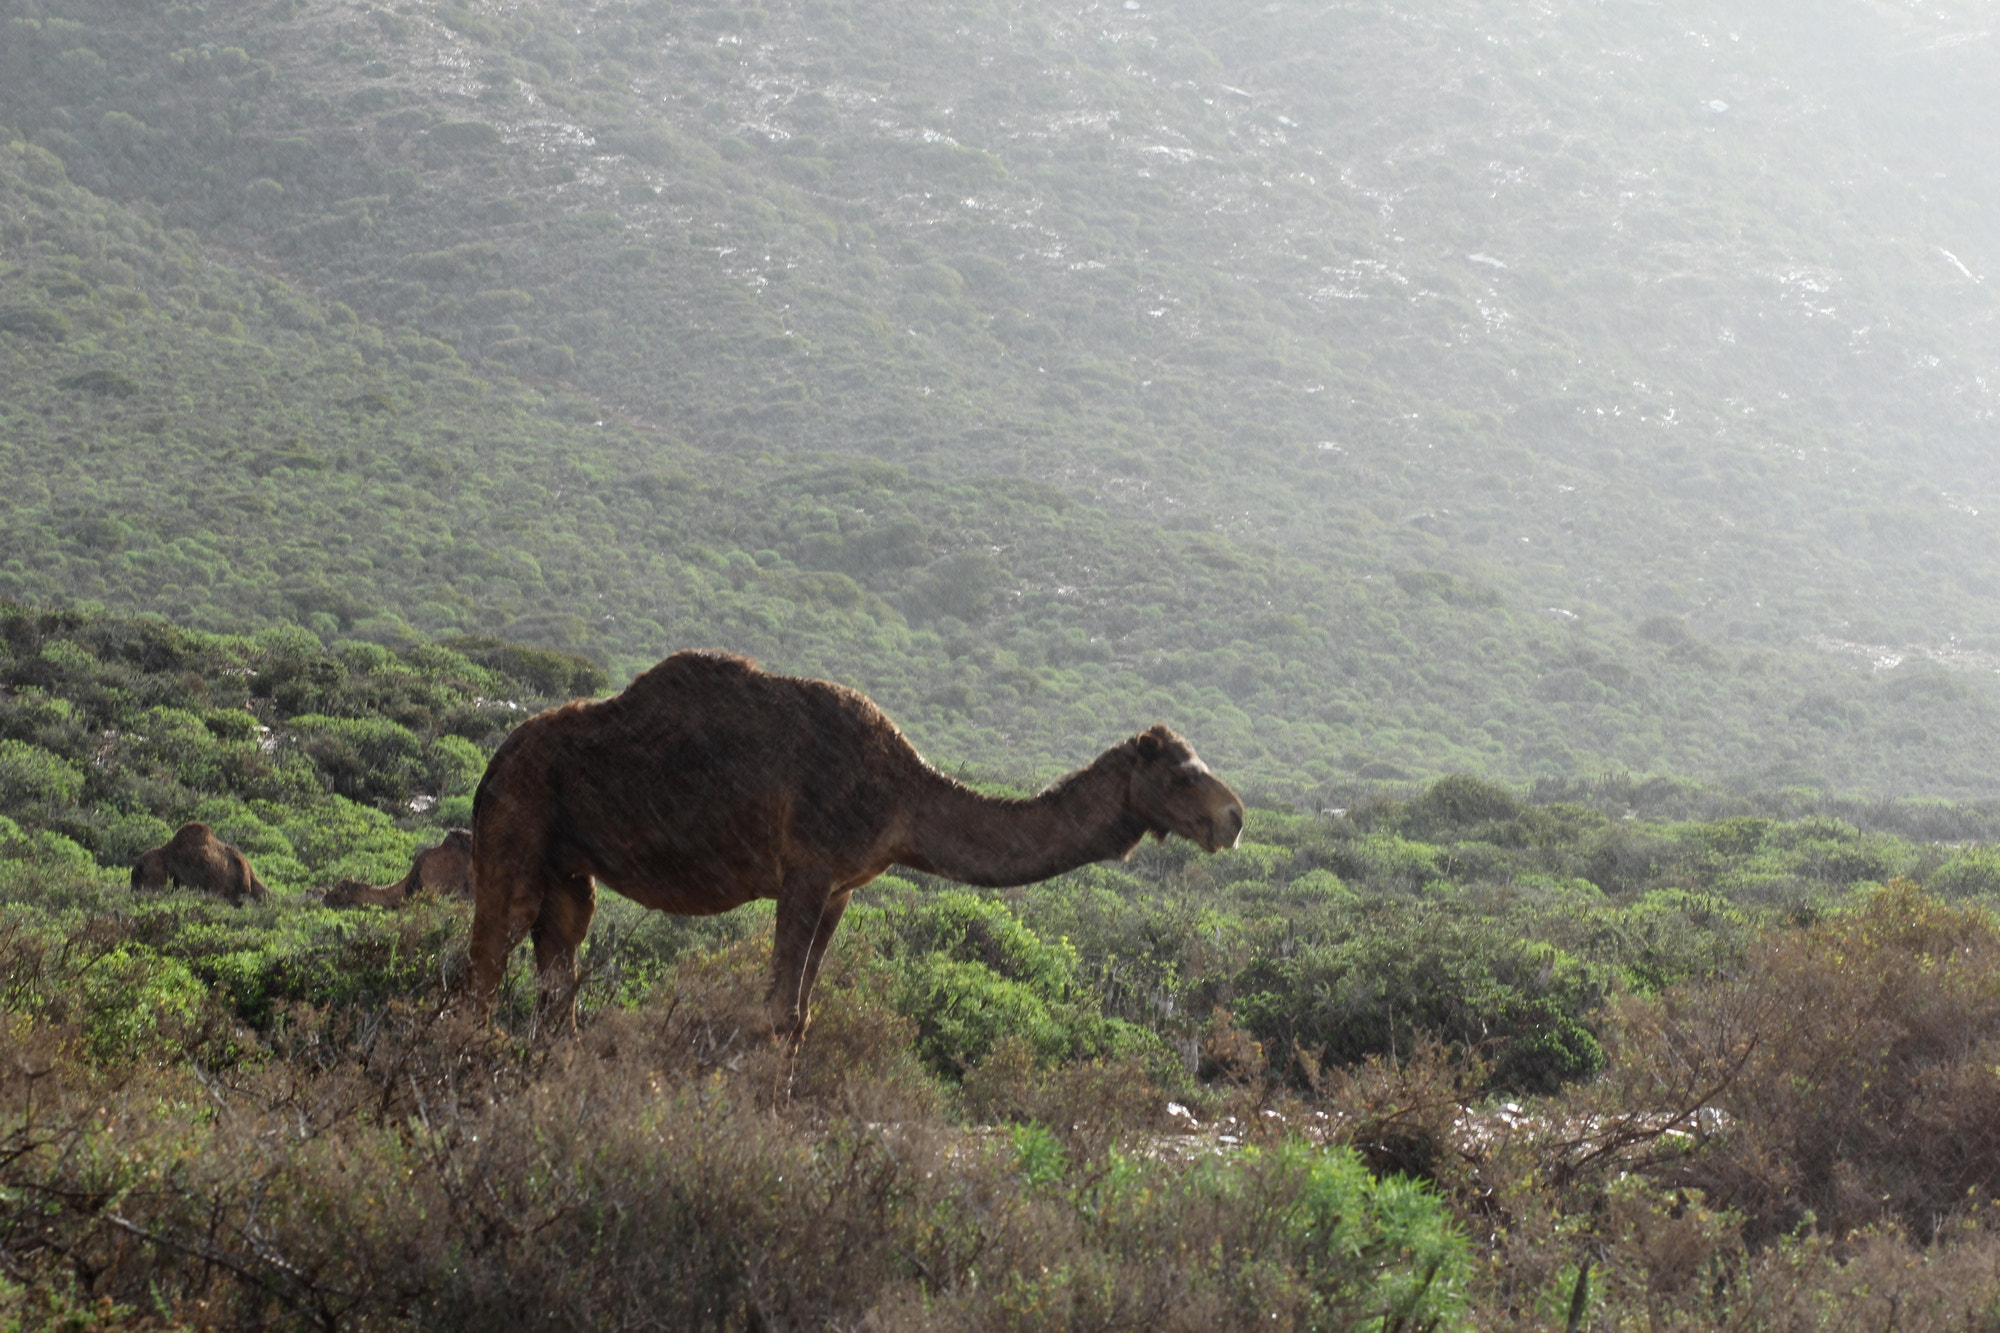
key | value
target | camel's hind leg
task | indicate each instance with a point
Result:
(560, 928)
(510, 880)
(501, 919)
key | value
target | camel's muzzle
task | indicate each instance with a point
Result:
(1225, 829)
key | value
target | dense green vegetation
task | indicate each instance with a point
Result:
(1464, 914)
(1342, 1001)
(1044, 374)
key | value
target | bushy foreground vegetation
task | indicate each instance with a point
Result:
(1803, 1140)
(1458, 1057)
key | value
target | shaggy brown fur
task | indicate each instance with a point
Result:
(443, 869)
(195, 858)
(710, 782)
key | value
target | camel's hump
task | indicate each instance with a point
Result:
(693, 666)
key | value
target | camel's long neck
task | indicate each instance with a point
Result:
(962, 835)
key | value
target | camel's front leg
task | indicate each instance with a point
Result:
(829, 921)
(801, 904)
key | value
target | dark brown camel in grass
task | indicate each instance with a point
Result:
(710, 782)
(195, 858)
(360, 893)
(445, 869)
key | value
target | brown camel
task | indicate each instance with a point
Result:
(360, 893)
(195, 858)
(710, 782)
(443, 869)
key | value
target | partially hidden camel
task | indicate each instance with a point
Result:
(195, 858)
(709, 782)
(360, 893)
(445, 869)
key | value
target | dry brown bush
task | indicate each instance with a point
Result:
(669, 1168)
(421, 1168)
(1857, 1060)
(1848, 1181)
(1090, 1106)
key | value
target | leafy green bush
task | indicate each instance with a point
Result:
(1430, 973)
(454, 766)
(963, 1008)
(181, 744)
(30, 776)
(1968, 872)
(961, 925)
(545, 672)
(369, 759)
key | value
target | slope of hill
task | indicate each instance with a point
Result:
(1367, 394)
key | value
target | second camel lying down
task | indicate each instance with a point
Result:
(445, 869)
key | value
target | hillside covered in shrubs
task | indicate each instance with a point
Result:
(1375, 397)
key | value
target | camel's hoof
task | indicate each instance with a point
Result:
(790, 1034)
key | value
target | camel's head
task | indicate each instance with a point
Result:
(150, 874)
(1175, 792)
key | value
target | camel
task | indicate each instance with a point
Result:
(444, 869)
(195, 858)
(710, 782)
(360, 893)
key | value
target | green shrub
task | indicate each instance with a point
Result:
(1430, 974)
(123, 836)
(962, 1008)
(182, 744)
(131, 999)
(544, 672)
(1676, 935)
(34, 321)
(1322, 886)
(1969, 872)
(336, 838)
(455, 766)
(32, 777)
(1338, 1247)
(1461, 801)
(960, 925)
(364, 758)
